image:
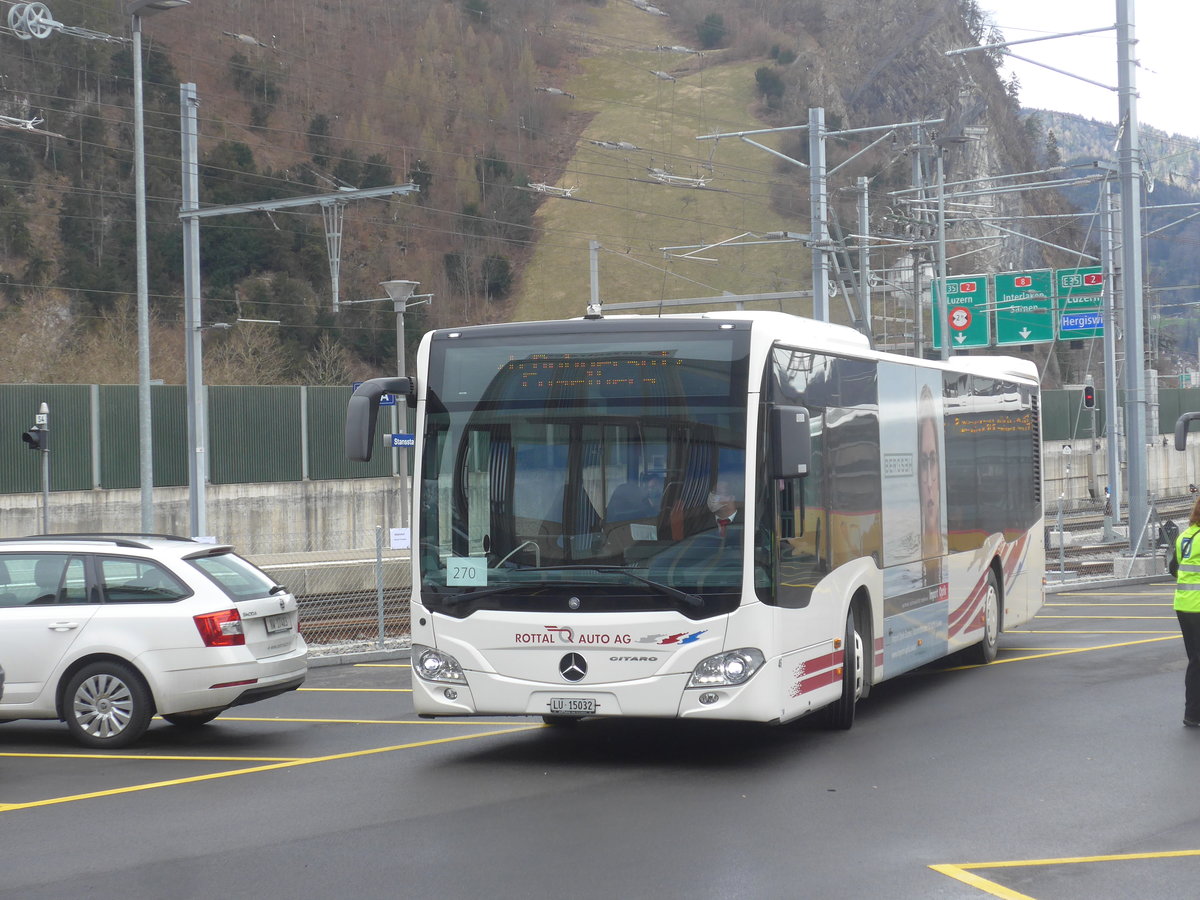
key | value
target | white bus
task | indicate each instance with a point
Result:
(735, 515)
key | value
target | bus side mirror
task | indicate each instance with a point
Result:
(791, 442)
(363, 410)
(1181, 429)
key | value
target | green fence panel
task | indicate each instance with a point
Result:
(254, 434)
(119, 436)
(69, 440)
(120, 451)
(1173, 403)
(327, 442)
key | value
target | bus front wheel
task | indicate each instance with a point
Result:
(841, 713)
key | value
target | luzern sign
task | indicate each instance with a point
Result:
(966, 312)
(1080, 294)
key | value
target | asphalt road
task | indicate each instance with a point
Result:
(1060, 771)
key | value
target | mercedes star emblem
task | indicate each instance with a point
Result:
(572, 667)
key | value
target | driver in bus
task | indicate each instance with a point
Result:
(723, 504)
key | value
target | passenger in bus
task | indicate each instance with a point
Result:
(635, 500)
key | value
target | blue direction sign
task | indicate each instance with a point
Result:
(400, 440)
(1080, 300)
(1024, 307)
(965, 312)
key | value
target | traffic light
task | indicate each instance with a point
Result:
(35, 438)
(1089, 397)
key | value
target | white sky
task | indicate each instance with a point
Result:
(1167, 50)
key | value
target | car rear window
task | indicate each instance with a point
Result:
(128, 579)
(235, 576)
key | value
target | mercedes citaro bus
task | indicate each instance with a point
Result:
(735, 515)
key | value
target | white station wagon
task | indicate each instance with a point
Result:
(105, 631)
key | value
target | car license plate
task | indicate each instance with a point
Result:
(279, 622)
(573, 706)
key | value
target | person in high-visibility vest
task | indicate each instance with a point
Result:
(1186, 568)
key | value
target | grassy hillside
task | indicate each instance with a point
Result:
(621, 205)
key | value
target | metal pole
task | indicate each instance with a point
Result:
(864, 252)
(594, 308)
(145, 441)
(44, 416)
(1107, 235)
(402, 411)
(1131, 267)
(818, 211)
(918, 179)
(379, 581)
(197, 421)
(939, 307)
(1062, 541)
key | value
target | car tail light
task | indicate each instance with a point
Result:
(221, 629)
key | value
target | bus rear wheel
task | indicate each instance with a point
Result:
(841, 713)
(985, 651)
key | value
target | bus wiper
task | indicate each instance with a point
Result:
(482, 592)
(672, 592)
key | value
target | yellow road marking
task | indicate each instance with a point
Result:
(998, 662)
(1093, 617)
(962, 872)
(1105, 605)
(356, 690)
(383, 665)
(1032, 649)
(196, 779)
(959, 873)
(1091, 631)
(1122, 594)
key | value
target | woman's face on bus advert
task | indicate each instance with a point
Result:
(929, 483)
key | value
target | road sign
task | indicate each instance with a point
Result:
(400, 440)
(1024, 307)
(965, 312)
(1080, 301)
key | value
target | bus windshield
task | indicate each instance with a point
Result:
(608, 463)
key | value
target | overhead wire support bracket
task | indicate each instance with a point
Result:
(333, 208)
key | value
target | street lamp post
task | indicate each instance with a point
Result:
(137, 10)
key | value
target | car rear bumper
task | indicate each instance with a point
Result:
(218, 678)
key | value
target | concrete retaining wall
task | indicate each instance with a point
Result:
(287, 517)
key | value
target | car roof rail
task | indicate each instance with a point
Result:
(121, 539)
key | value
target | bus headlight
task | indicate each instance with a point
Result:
(727, 669)
(434, 665)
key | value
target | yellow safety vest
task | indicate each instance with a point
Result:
(1187, 580)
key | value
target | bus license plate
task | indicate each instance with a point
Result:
(278, 623)
(573, 706)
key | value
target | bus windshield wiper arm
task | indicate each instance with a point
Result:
(483, 592)
(672, 592)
